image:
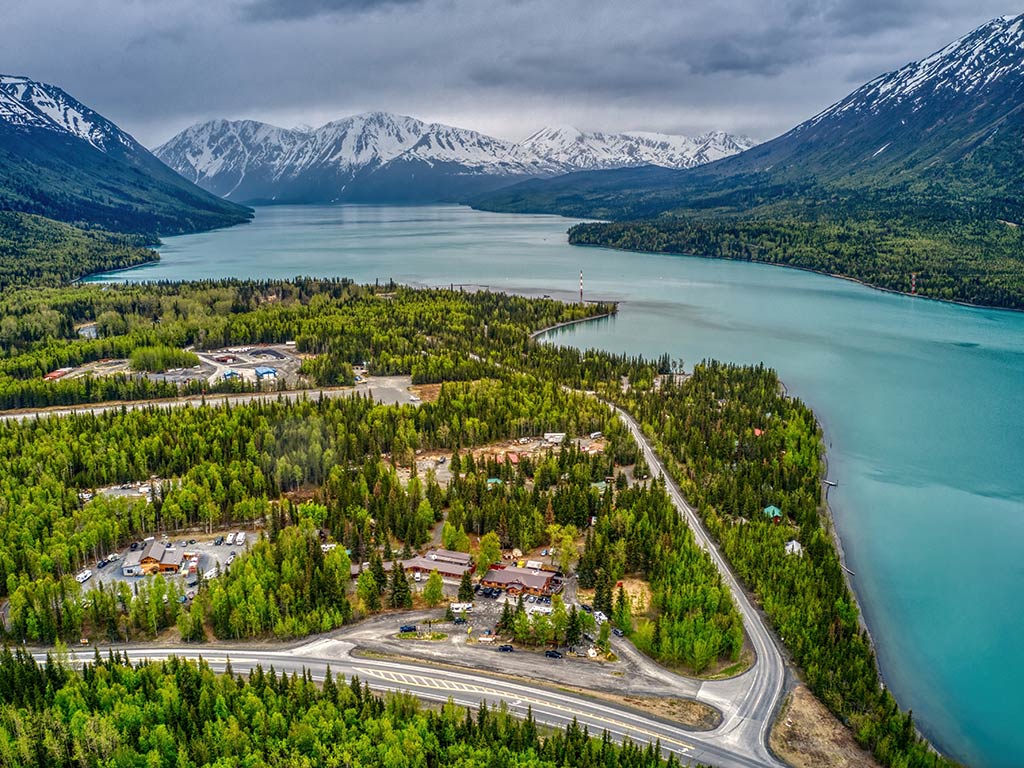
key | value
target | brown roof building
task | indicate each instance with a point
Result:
(155, 557)
(517, 580)
(449, 556)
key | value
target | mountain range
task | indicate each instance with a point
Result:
(382, 157)
(61, 160)
(943, 132)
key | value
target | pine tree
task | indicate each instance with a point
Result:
(574, 630)
(401, 594)
(505, 622)
(622, 615)
(466, 588)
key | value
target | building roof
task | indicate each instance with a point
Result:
(449, 556)
(162, 553)
(132, 559)
(443, 567)
(265, 370)
(523, 576)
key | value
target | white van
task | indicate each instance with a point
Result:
(230, 539)
(239, 539)
(84, 576)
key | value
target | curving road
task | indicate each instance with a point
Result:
(747, 713)
(549, 706)
(747, 702)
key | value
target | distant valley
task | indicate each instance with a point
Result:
(386, 158)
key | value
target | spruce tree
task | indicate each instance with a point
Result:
(401, 594)
(466, 588)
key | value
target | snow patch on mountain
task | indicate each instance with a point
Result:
(989, 54)
(30, 104)
(212, 152)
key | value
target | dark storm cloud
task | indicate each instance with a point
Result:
(504, 68)
(268, 10)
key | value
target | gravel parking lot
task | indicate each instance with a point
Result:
(210, 557)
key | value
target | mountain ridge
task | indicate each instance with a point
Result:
(62, 160)
(374, 156)
(929, 128)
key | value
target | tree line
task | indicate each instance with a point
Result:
(181, 714)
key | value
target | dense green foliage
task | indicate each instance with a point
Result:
(431, 335)
(178, 714)
(158, 359)
(42, 252)
(285, 585)
(695, 621)
(975, 262)
(228, 464)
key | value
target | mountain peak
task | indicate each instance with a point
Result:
(29, 104)
(247, 160)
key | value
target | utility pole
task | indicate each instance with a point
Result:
(581, 286)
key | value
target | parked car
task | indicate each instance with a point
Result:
(553, 654)
(505, 648)
(618, 632)
(459, 620)
(83, 576)
(191, 541)
(600, 618)
(112, 557)
(407, 628)
(134, 546)
(218, 541)
(586, 607)
(101, 564)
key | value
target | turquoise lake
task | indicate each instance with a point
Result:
(922, 404)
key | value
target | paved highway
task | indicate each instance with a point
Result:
(747, 702)
(549, 706)
(747, 714)
(389, 390)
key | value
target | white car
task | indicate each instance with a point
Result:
(111, 558)
(240, 539)
(84, 576)
(600, 618)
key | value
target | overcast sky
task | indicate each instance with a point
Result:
(505, 68)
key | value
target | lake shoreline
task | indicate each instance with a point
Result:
(872, 286)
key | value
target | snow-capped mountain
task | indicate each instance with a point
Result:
(63, 160)
(382, 157)
(574, 150)
(938, 110)
(941, 134)
(990, 55)
(28, 104)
